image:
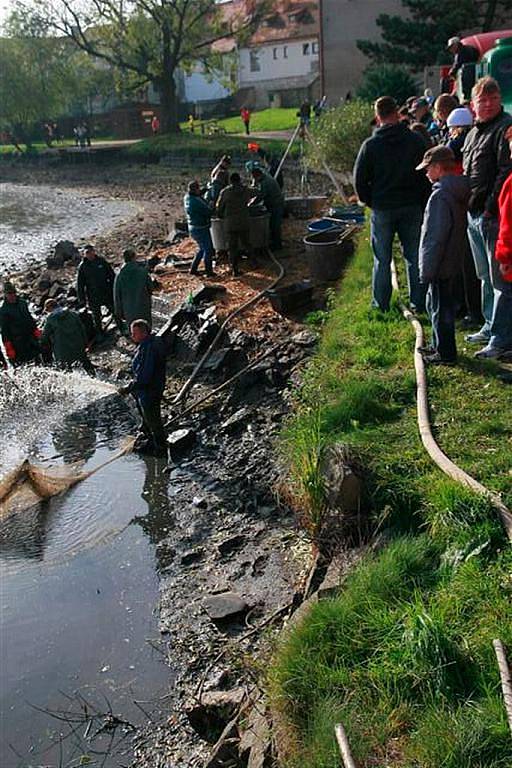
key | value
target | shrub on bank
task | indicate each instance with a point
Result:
(403, 654)
(339, 133)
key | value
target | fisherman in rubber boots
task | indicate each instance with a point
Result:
(94, 286)
(20, 334)
(132, 291)
(147, 387)
(64, 336)
(271, 193)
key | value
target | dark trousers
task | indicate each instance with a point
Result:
(276, 221)
(441, 307)
(472, 287)
(247, 129)
(152, 424)
(237, 240)
(96, 314)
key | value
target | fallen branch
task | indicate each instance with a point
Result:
(341, 738)
(506, 679)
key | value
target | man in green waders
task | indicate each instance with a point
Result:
(65, 335)
(20, 334)
(132, 291)
(94, 284)
(272, 195)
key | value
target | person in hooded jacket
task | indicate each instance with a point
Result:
(64, 334)
(132, 290)
(442, 249)
(386, 180)
(19, 331)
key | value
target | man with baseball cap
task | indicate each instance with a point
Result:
(441, 250)
(463, 54)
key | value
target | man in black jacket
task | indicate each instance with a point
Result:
(386, 180)
(95, 285)
(487, 163)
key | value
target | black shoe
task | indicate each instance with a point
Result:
(436, 359)
(428, 350)
(192, 271)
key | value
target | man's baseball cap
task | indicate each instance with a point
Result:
(9, 287)
(417, 103)
(436, 155)
(453, 41)
(460, 117)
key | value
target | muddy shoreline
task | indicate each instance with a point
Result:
(231, 532)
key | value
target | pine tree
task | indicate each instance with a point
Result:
(419, 39)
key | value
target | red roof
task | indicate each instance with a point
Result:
(288, 20)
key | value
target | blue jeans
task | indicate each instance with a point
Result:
(385, 224)
(204, 241)
(441, 310)
(481, 259)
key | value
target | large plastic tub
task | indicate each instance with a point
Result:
(327, 254)
(219, 235)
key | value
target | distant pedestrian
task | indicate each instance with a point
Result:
(232, 208)
(441, 251)
(387, 181)
(64, 335)
(191, 123)
(199, 215)
(147, 387)
(245, 114)
(304, 114)
(19, 331)
(95, 282)
(155, 125)
(132, 291)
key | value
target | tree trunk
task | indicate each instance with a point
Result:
(168, 100)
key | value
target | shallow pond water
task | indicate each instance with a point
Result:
(78, 589)
(34, 218)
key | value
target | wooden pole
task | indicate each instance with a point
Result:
(341, 738)
(506, 679)
(290, 143)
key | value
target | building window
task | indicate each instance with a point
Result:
(314, 47)
(305, 49)
(285, 51)
(275, 54)
(254, 61)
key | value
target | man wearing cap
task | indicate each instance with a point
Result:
(269, 191)
(487, 163)
(94, 285)
(132, 290)
(462, 54)
(441, 251)
(20, 334)
(232, 207)
(64, 334)
(199, 216)
(387, 181)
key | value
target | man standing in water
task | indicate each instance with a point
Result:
(147, 386)
(20, 334)
(95, 282)
(65, 335)
(132, 290)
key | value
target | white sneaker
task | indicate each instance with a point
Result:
(478, 338)
(490, 353)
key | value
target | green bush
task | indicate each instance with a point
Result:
(339, 133)
(387, 80)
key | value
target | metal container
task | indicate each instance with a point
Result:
(306, 207)
(259, 230)
(219, 235)
(327, 254)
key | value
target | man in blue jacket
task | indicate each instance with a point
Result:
(199, 216)
(386, 180)
(147, 386)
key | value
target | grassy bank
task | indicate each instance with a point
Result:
(403, 655)
(274, 119)
(196, 145)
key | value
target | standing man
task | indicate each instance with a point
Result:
(155, 125)
(94, 285)
(487, 163)
(147, 386)
(132, 290)
(271, 193)
(463, 54)
(20, 334)
(387, 181)
(246, 119)
(64, 334)
(199, 216)
(232, 207)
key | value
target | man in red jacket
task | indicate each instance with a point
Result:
(503, 251)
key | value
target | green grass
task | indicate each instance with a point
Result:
(403, 655)
(276, 119)
(194, 144)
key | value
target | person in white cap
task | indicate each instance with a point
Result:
(459, 122)
(462, 55)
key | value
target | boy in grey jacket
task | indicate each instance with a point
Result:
(441, 254)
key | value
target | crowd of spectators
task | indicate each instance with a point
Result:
(438, 174)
